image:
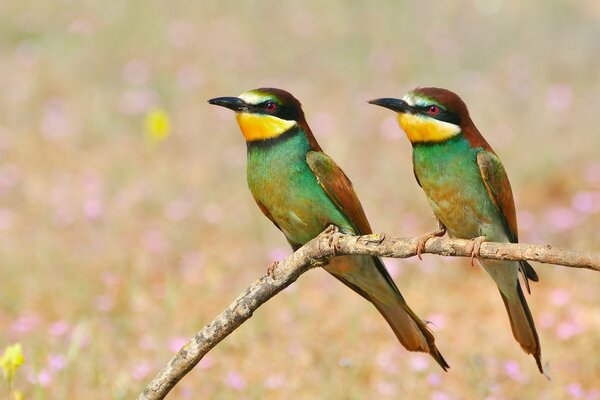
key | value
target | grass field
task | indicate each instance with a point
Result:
(110, 237)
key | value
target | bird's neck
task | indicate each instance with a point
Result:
(272, 155)
(432, 161)
(293, 138)
(275, 159)
(441, 151)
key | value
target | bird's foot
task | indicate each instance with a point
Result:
(329, 235)
(271, 269)
(476, 246)
(425, 237)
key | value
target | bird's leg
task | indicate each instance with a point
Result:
(329, 235)
(476, 247)
(271, 269)
(441, 231)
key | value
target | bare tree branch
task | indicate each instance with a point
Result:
(316, 253)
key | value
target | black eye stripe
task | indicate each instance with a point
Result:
(281, 111)
(264, 103)
(442, 115)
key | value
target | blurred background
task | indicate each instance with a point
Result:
(126, 223)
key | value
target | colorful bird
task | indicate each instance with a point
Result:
(468, 190)
(303, 191)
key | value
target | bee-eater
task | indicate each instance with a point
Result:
(468, 190)
(303, 191)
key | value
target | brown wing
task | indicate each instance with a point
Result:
(498, 187)
(339, 188)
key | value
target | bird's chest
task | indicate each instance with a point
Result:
(286, 188)
(454, 188)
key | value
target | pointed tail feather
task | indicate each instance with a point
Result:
(528, 274)
(368, 277)
(410, 330)
(522, 325)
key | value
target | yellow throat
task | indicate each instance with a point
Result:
(424, 129)
(262, 126)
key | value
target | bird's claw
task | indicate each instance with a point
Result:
(476, 247)
(329, 235)
(421, 240)
(271, 269)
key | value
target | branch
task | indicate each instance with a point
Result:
(316, 253)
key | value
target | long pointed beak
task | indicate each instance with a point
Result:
(233, 103)
(397, 105)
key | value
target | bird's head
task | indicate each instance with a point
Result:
(429, 114)
(264, 113)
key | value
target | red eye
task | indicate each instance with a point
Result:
(270, 106)
(433, 110)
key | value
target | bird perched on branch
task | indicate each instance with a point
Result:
(468, 190)
(303, 191)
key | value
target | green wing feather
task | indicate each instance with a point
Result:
(498, 186)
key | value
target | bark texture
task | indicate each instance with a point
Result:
(316, 253)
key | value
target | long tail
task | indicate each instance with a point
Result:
(369, 278)
(522, 325)
(410, 330)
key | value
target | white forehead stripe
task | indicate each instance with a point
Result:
(415, 100)
(409, 99)
(252, 98)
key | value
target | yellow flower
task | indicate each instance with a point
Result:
(10, 361)
(158, 126)
(18, 395)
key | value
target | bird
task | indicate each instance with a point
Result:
(468, 190)
(303, 192)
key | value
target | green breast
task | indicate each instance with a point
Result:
(450, 177)
(281, 180)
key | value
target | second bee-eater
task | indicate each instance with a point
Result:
(468, 190)
(303, 191)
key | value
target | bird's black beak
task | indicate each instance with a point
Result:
(233, 103)
(397, 105)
